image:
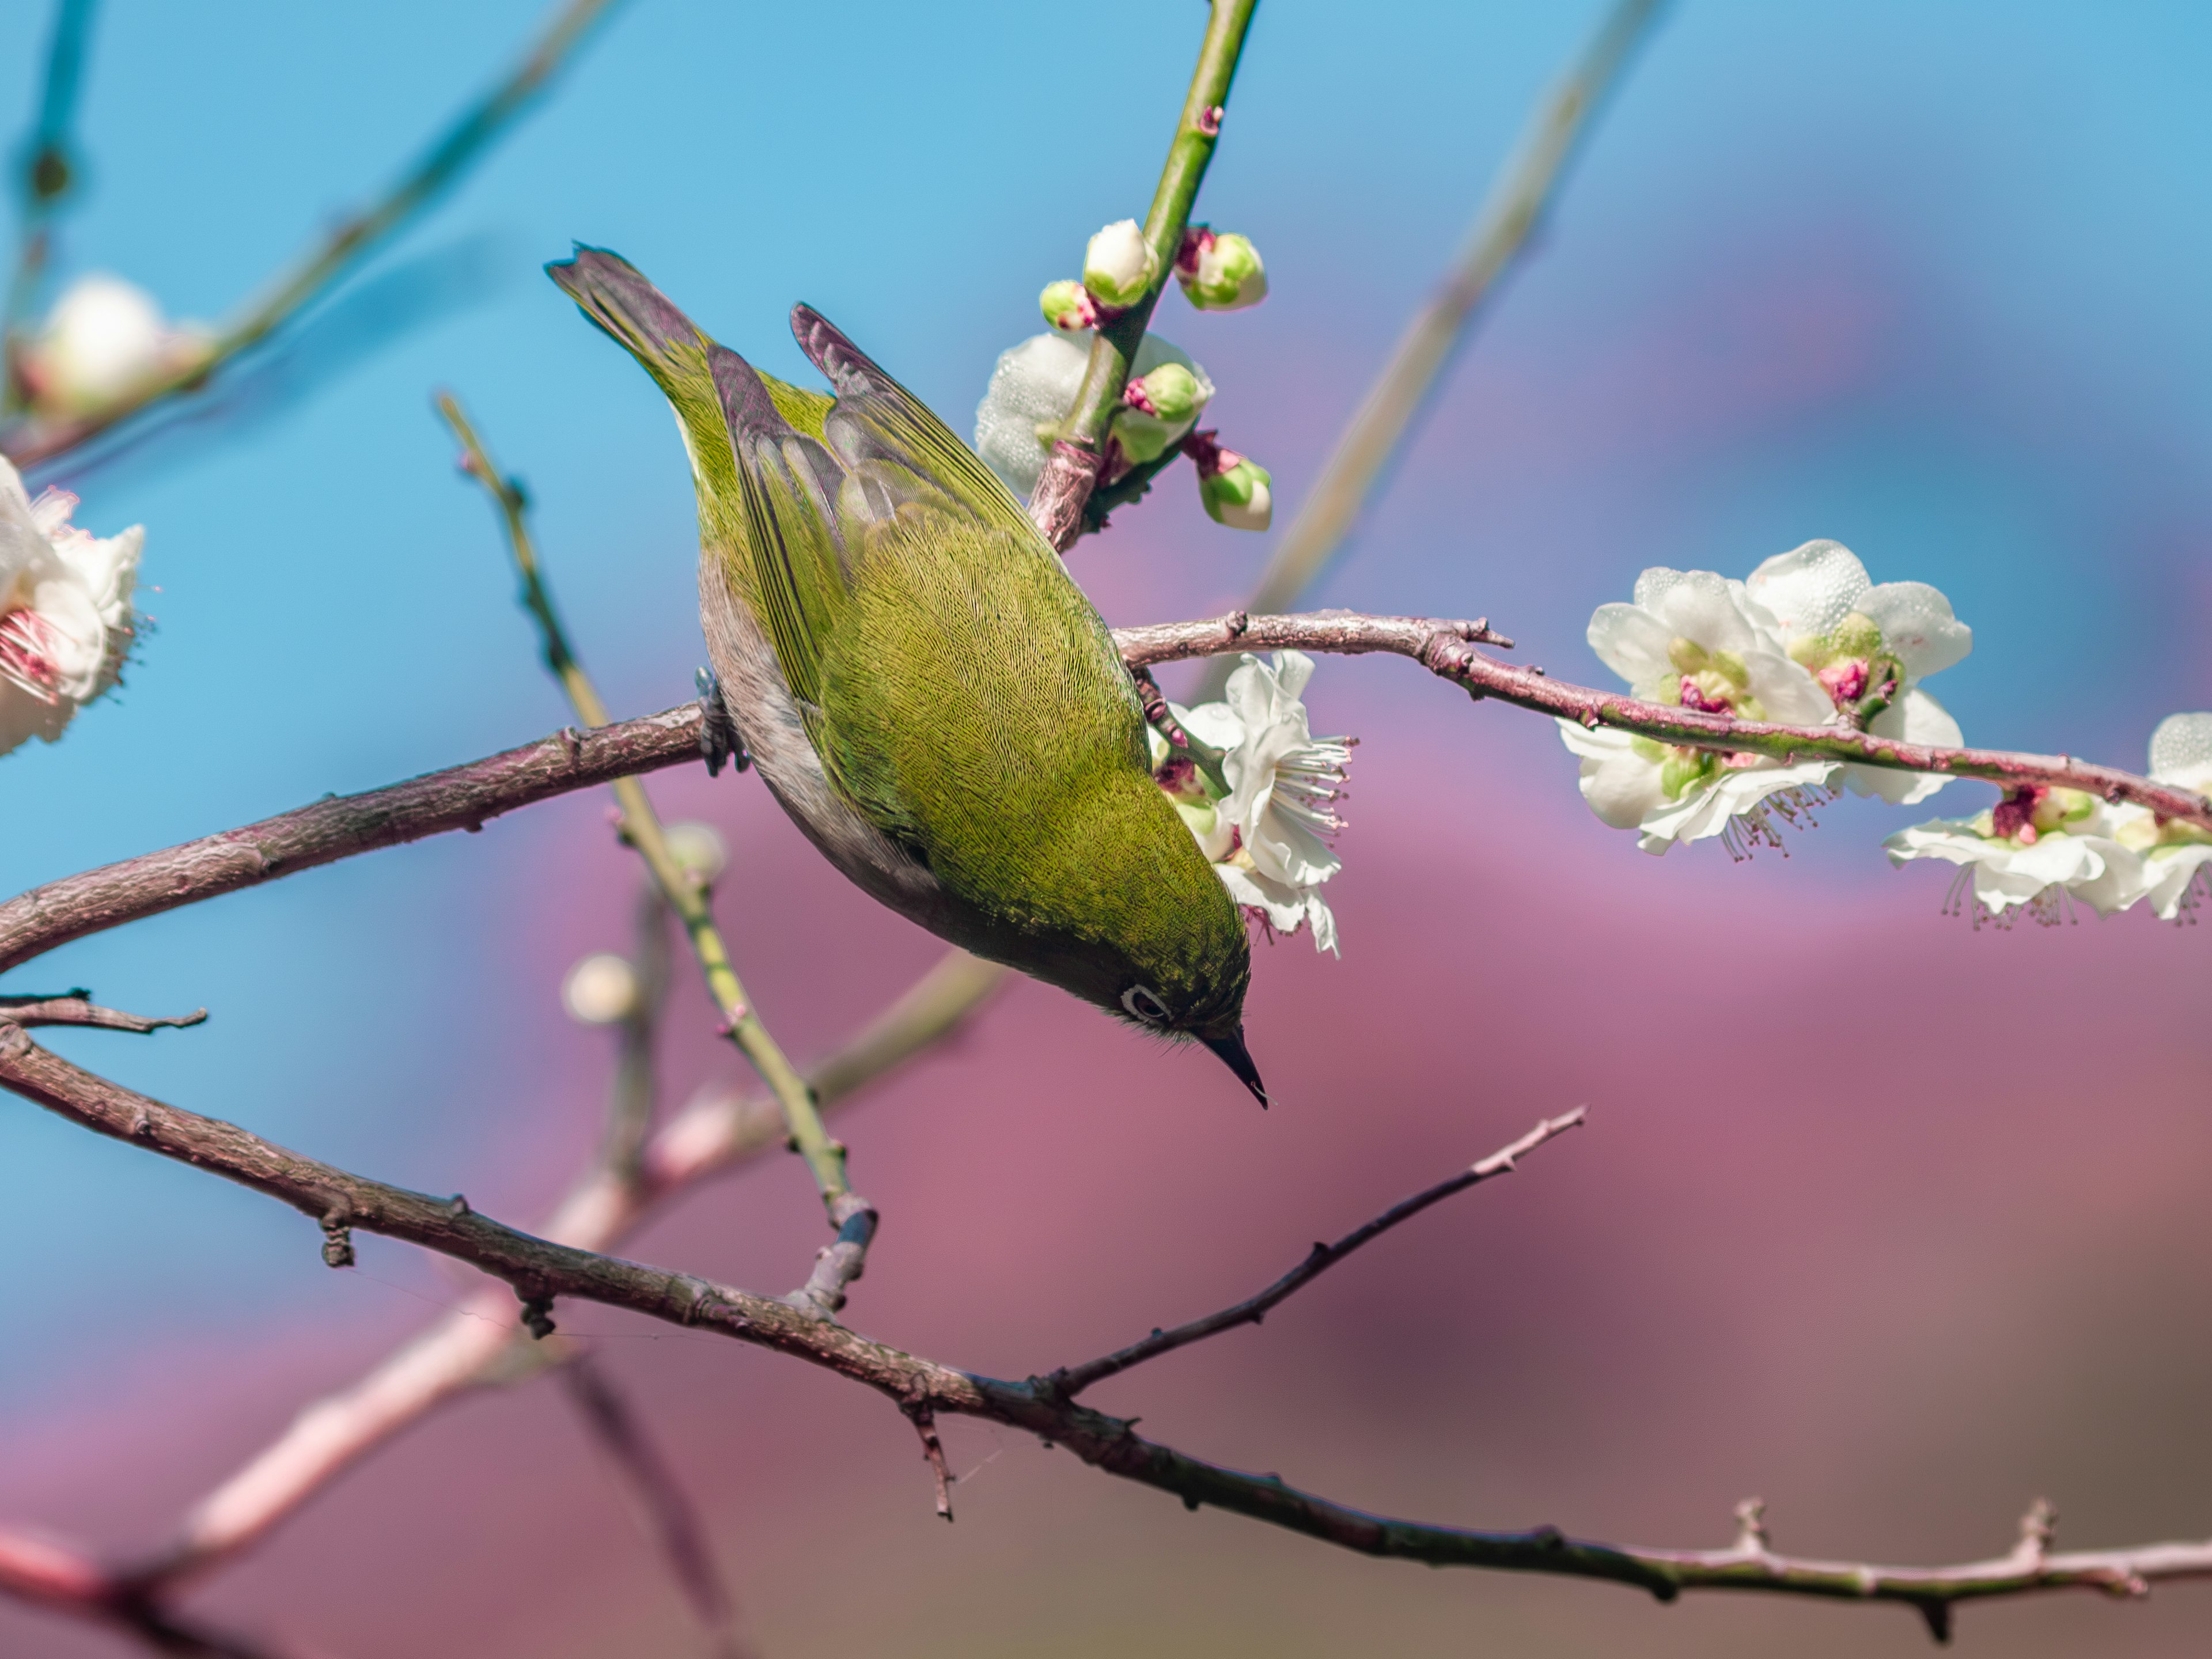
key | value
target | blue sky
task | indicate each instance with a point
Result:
(1928, 280)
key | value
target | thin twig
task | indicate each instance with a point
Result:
(1073, 468)
(49, 174)
(669, 1515)
(344, 246)
(479, 1345)
(842, 1261)
(634, 1097)
(76, 1008)
(933, 1453)
(541, 1270)
(45, 1574)
(1520, 196)
(1073, 1380)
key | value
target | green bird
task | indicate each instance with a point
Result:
(923, 686)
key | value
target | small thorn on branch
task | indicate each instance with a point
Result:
(1938, 1615)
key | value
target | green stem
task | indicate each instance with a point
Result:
(1060, 498)
(1518, 200)
(641, 826)
(49, 174)
(344, 248)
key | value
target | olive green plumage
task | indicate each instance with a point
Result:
(927, 691)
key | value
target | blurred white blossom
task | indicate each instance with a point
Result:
(1839, 626)
(1270, 837)
(699, 847)
(65, 617)
(601, 989)
(1695, 640)
(104, 338)
(1032, 389)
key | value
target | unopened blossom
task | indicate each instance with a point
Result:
(1119, 265)
(1069, 306)
(1234, 489)
(1157, 410)
(1693, 640)
(600, 990)
(699, 849)
(1268, 837)
(104, 339)
(1032, 390)
(65, 617)
(2177, 856)
(1834, 620)
(1220, 272)
(2032, 852)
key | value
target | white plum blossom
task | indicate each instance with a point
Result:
(2174, 855)
(2030, 854)
(65, 617)
(104, 338)
(602, 989)
(1694, 640)
(1268, 837)
(1840, 627)
(1032, 389)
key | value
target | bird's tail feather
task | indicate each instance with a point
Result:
(615, 296)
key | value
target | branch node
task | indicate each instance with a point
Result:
(456, 1207)
(1751, 1528)
(537, 1316)
(337, 1235)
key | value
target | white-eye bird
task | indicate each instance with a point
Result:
(923, 686)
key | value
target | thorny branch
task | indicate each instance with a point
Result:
(1073, 1380)
(342, 248)
(842, 1261)
(540, 1270)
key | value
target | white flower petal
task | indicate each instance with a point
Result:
(1697, 604)
(1633, 642)
(1620, 785)
(1705, 811)
(2181, 750)
(1918, 627)
(2168, 872)
(1285, 907)
(1786, 691)
(1810, 589)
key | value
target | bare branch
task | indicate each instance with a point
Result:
(339, 827)
(1073, 1380)
(933, 1453)
(670, 1514)
(479, 1344)
(48, 1575)
(74, 1008)
(541, 1270)
(50, 175)
(343, 248)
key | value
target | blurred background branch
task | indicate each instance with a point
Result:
(50, 171)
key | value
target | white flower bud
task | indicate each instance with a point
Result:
(1119, 266)
(600, 989)
(1220, 272)
(1068, 306)
(699, 847)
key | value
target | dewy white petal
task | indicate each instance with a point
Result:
(1033, 385)
(1620, 785)
(1697, 604)
(2181, 750)
(2094, 869)
(1810, 589)
(1916, 627)
(1633, 642)
(1916, 718)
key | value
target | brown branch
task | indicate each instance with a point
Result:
(480, 1344)
(1073, 1380)
(540, 1270)
(339, 826)
(46, 1575)
(74, 1008)
(933, 1453)
(669, 1512)
(1446, 649)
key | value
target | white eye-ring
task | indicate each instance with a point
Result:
(1144, 1003)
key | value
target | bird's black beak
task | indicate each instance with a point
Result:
(1238, 1059)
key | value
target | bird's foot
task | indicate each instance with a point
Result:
(719, 740)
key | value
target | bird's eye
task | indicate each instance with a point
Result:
(1144, 1002)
